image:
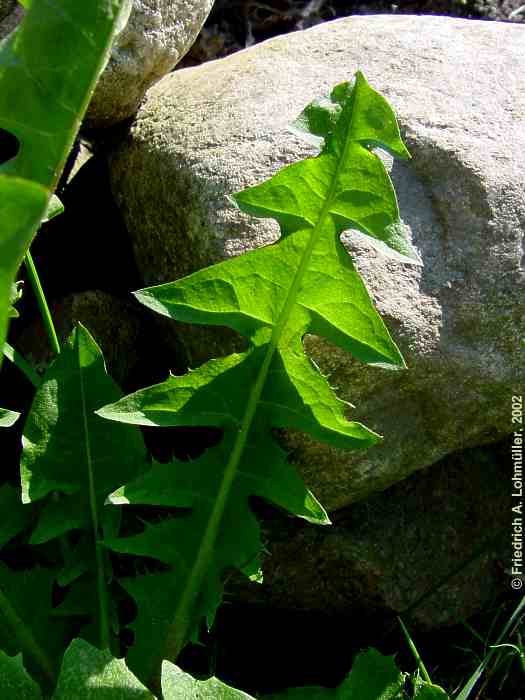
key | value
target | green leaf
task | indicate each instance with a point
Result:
(15, 516)
(61, 46)
(429, 691)
(48, 69)
(265, 472)
(27, 624)
(71, 453)
(8, 418)
(154, 595)
(78, 561)
(22, 204)
(360, 197)
(177, 685)
(16, 294)
(90, 674)
(15, 682)
(373, 677)
(63, 431)
(274, 296)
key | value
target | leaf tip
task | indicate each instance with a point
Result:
(117, 498)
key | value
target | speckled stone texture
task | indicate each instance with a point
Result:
(156, 37)
(458, 89)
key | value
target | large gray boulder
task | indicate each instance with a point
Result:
(458, 89)
(155, 38)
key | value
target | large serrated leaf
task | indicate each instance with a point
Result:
(273, 296)
(67, 448)
(48, 69)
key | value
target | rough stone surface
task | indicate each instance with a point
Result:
(114, 323)
(156, 37)
(11, 14)
(381, 557)
(458, 88)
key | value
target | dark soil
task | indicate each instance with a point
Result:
(238, 24)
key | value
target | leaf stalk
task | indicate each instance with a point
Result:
(42, 302)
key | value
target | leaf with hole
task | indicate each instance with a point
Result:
(43, 97)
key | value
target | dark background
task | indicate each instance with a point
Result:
(237, 24)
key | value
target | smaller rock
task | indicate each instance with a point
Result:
(116, 325)
(155, 38)
(383, 555)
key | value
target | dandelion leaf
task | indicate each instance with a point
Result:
(305, 283)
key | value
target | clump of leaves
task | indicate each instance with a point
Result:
(48, 69)
(88, 673)
(73, 461)
(305, 283)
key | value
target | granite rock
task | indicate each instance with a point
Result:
(155, 38)
(458, 89)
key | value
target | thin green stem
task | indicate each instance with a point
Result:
(23, 365)
(25, 638)
(42, 303)
(421, 666)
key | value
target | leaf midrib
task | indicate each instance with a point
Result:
(99, 556)
(182, 617)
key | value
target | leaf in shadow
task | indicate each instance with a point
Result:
(15, 516)
(73, 457)
(15, 681)
(48, 69)
(373, 677)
